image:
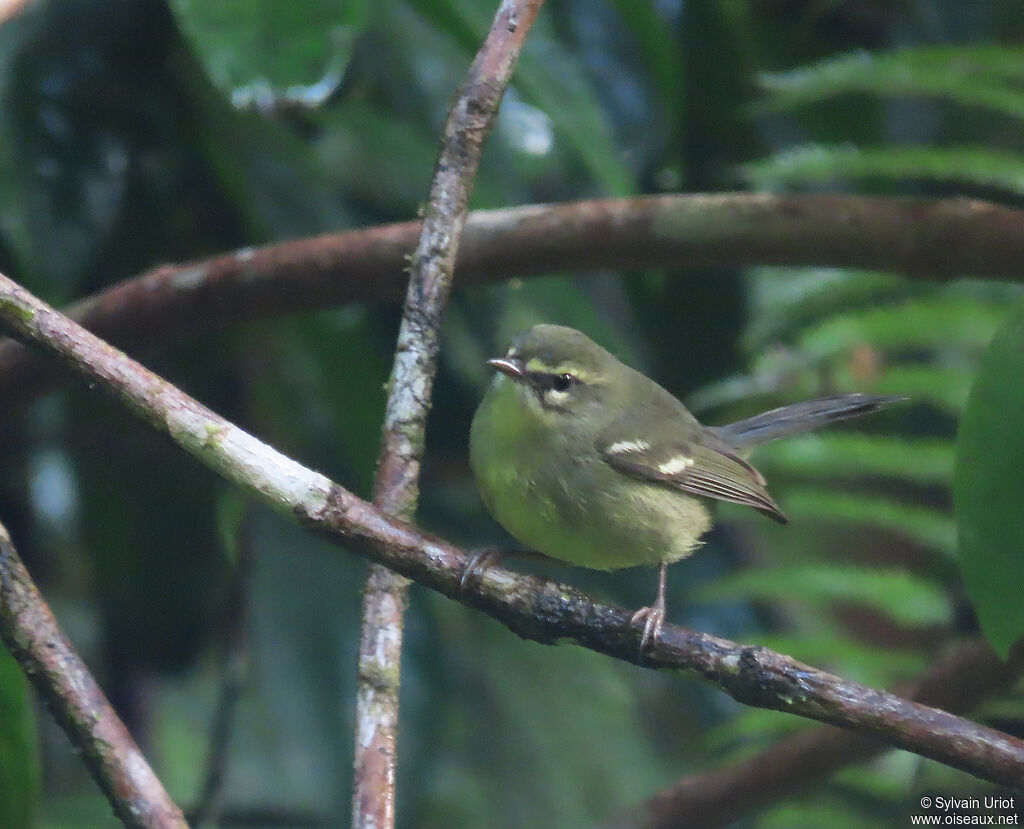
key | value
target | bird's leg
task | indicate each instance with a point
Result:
(653, 617)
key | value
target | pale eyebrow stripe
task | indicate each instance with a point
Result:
(536, 366)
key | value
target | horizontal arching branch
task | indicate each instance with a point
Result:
(932, 239)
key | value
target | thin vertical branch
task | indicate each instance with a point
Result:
(234, 676)
(396, 491)
(30, 632)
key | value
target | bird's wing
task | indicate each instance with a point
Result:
(704, 465)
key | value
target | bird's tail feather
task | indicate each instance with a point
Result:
(801, 417)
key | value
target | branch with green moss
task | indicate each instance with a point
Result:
(396, 489)
(533, 608)
(31, 633)
(921, 238)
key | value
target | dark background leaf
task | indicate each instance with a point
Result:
(988, 487)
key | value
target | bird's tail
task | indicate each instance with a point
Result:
(801, 417)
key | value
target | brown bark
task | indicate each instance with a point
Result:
(396, 489)
(532, 608)
(31, 633)
(720, 796)
(929, 239)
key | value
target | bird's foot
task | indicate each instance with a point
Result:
(481, 558)
(652, 618)
(477, 562)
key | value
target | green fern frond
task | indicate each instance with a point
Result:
(848, 455)
(933, 323)
(816, 163)
(782, 299)
(904, 597)
(945, 388)
(980, 76)
(924, 525)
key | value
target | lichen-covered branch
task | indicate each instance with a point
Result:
(396, 489)
(931, 239)
(533, 608)
(30, 632)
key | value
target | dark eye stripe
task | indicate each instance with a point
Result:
(544, 381)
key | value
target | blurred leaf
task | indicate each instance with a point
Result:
(816, 163)
(660, 51)
(529, 714)
(293, 723)
(113, 158)
(270, 176)
(783, 298)
(76, 811)
(943, 388)
(62, 177)
(15, 223)
(848, 455)
(920, 346)
(989, 488)
(465, 22)
(243, 42)
(926, 526)
(348, 368)
(890, 775)
(554, 82)
(377, 158)
(19, 763)
(148, 523)
(870, 663)
(903, 596)
(750, 730)
(550, 77)
(933, 323)
(984, 76)
(823, 810)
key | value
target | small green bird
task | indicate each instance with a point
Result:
(587, 461)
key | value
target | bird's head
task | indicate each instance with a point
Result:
(558, 372)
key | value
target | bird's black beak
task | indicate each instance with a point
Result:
(510, 368)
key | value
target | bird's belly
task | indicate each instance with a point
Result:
(608, 522)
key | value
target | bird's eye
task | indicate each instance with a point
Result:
(562, 382)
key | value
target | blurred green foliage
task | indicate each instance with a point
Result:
(134, 132)
(19, 757)
(988, 484)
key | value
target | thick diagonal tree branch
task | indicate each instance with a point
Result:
(396, 489)
(533, 608)
(721, 796)
(933, 239)
(30, 632)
